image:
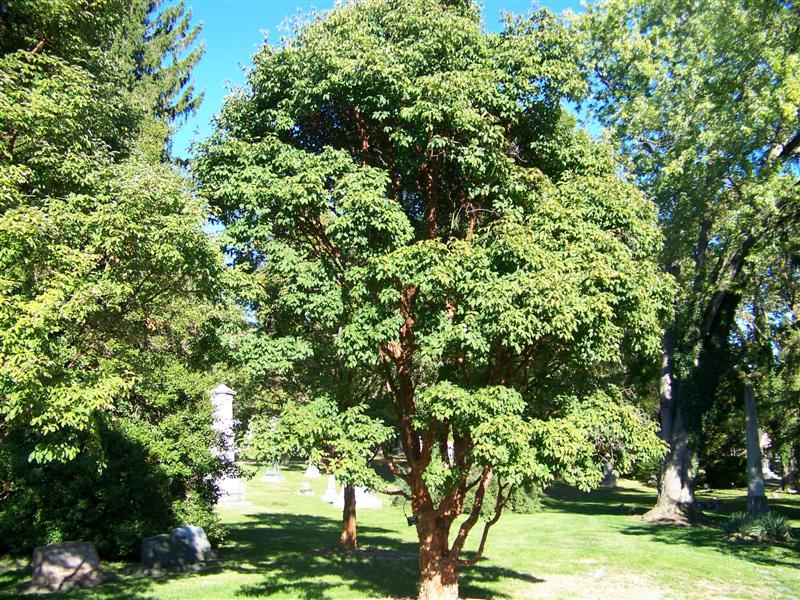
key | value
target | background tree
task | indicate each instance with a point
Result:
(344, 441)
(702, 98)
(106, 278)
(402, 176)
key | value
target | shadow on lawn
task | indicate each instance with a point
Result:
(781, 555)
(286, 550)
(617, 501)
(295, 555)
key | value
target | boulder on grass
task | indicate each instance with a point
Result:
(183, 549)
(65, 566)
(197, 546)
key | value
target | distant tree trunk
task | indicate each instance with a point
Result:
(676, 501)
(791, 470)
(438, 571)
(756, 498)
(348, 539)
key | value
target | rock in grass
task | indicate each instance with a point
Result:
(65, 566)
(197, 546)
(186, 548)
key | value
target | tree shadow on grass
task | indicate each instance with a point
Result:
(781, 555)
(295, 555)
(612, 501)
(286, 549)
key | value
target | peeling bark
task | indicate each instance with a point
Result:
(348, 538)
(438, 570)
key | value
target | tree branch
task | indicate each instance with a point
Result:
(498, 510)
(477, 503)
(393, 468)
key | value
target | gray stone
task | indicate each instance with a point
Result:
(609, 479)
(198, 548)
(60, 567)
(184, 548)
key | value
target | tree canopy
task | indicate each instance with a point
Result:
(411, 192)
(109, 284)
(702, 99)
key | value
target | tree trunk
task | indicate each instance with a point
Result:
(676, 501)
(756, 498)
(438, 572)
(791, 470)
(348, 539)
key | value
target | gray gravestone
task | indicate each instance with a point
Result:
(184, 548)
(198, 548)
(60, 567)
(609, 479)
(273, 474)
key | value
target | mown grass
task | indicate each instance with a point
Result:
(579, 545)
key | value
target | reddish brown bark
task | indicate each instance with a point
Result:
(438, 579)
(348, 539)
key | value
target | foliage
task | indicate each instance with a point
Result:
(154, 479)
(764, 527)
(702, 100)
(422, 215)
(102, 247)
(341, 441)
(109, 285)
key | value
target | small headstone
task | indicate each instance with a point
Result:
(306, 489)
(312, 472)
(66, 566)
(273, 474)
(330, 492)
(609, 479)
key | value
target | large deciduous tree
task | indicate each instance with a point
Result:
(413, 186)
(106, 278)
(704, 100)
(102, 245)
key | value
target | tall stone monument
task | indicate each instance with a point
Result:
(232, 489)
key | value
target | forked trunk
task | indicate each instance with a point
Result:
(348, 539)
(676, 501)
(438, 572)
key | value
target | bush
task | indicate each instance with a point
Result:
(768, 527)
(144, 480)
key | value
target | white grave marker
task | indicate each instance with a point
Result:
(232, 489)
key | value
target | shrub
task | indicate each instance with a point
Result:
(144, 480)
(768, 527)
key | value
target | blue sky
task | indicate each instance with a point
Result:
(234, 29)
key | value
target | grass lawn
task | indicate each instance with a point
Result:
(579, 545)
